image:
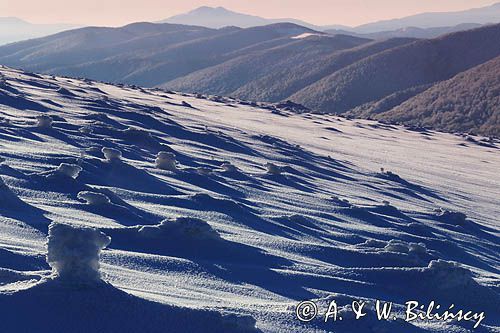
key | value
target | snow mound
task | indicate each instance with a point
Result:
(389, 175)
(342, 202)
(94, 198)
(403, 247)
(9, 200)
(55, 307)
(85, 130)
(452, 272)
(137, 133)
(166, 161)
(180, 228)
(138, 136)
(397, 253)
(8, 276)
(239, 323)
(73, 252)
(273, 169)
(65, 92)
(202, 171)
(450, 217)
(228, 167)
(111, 154)
(69, 170)
(44, 121)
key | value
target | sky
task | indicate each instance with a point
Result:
(320, 12)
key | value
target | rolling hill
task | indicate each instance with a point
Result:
(418, 63)
(142, 53)
(280, 83)
(325, 73)
(237, 76)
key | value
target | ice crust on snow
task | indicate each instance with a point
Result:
(73, 252)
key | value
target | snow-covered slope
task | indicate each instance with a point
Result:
(215, 205)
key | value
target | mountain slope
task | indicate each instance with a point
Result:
(88, 45)
(421, 62)
(142, 53)
(469, 102)
(279, 83)
(214, 211)
(231, 77)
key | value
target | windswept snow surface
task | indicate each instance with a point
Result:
(260, 209)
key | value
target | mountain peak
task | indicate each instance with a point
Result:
(208, 9)
(219, 17)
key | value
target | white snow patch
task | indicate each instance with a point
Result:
(307, 34)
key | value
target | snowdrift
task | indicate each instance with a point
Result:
(225, 214)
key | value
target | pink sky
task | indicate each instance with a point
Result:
(120, 12)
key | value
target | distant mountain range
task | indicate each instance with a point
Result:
(394, 79)
(483, 15)
(13, 29)
(409, 32)
(221, 17)
(426, 25)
